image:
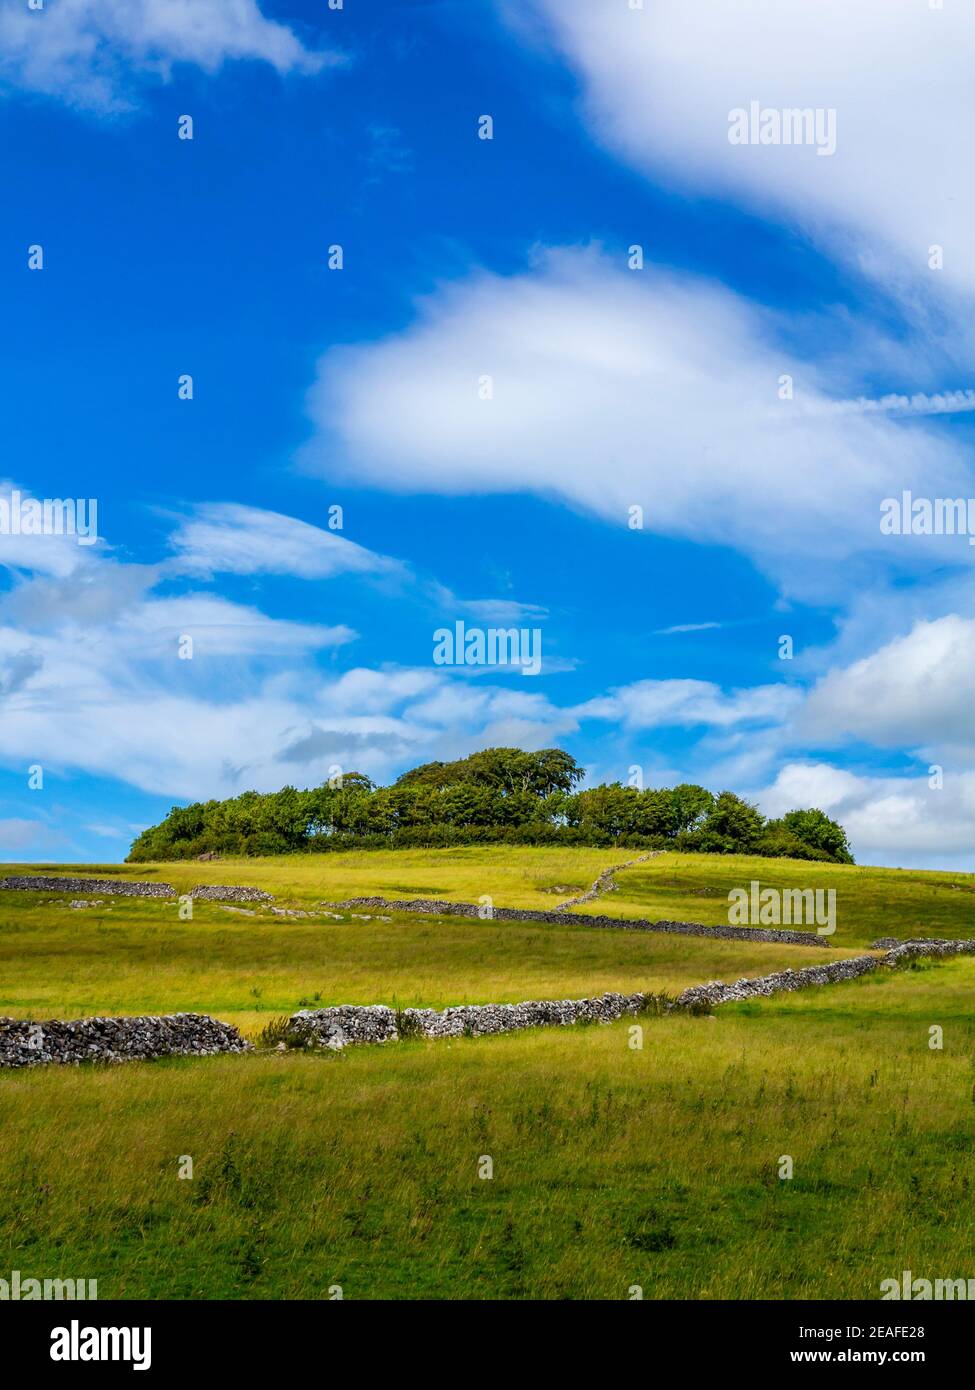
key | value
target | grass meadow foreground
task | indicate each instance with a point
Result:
(614, 1165)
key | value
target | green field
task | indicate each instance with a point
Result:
(870, 903)
(613, 1166)
(514, 875)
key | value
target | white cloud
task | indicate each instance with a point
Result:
(95, 53)
(109, 832)
(226, 538)
(613, 389)
(91, 680)
(653, 704)
(219, 628)
(889, 820)
(914, 692)
(219, 737)
(685, 627)
(504, 612)
(17, 833)
(55, 555)
(917, 690)
(659, 83)
(368, 692)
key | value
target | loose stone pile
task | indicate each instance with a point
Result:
(26, 1044)
(439, 907)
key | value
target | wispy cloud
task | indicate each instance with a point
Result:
(96, 54)
(685, 627)
(672, 383)
(227, 538)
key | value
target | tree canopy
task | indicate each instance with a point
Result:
(496, 795)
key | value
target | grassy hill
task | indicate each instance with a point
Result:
(613, 1166)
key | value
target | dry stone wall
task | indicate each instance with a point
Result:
(439, 907)
(376, 1023)
(606, 882)
(116, 888)
(699, 996)
(348, 1024)
(123, 888)
(27, 1044)
(214, 893)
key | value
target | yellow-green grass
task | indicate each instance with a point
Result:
(513, 875)
(133, 956)
(870, 902)
(611, 1166)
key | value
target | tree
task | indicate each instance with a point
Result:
(691, 804)
(779, 842)
(493, 795)
(815, 828)
(554, 771)
(426, 775)
(356, 782)
(732, 826)
(507, 770)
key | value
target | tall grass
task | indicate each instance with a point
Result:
(612, 1166)
(138, 957)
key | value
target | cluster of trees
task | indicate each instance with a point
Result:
(498, 795)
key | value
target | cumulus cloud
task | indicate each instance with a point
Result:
(614, 389)
(96, 687)
(890, 820)
(95, 53)
(177, 733)
(659, 84)
(916, 690)
(91, 680)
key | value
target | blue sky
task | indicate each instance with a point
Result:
(613, 387)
